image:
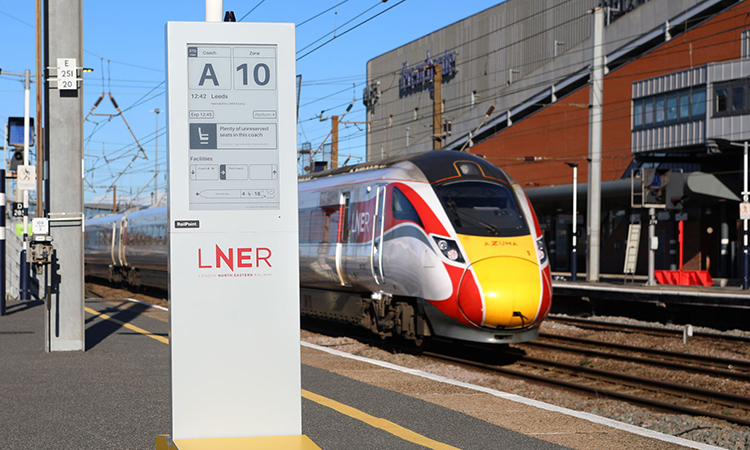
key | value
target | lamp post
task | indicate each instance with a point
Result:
(744, 221)
(574, 257)
(744, 215)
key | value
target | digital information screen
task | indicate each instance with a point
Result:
(233, 126)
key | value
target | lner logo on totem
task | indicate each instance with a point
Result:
(220, 260)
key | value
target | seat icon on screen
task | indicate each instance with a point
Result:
(203, 136)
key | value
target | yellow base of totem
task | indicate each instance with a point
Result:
(163, 442)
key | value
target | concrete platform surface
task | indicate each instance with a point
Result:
(116, 396)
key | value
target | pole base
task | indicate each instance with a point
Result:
(301, 442)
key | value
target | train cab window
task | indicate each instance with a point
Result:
(403, 209)
(482, 209)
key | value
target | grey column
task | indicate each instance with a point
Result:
(594, 210)
(64, 144)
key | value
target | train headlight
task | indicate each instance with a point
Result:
(541, 250)
(449, 248)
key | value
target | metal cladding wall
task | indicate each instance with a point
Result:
(517, 34)
(559, 132)
(670, 135)
(733, 128)
(514, 41)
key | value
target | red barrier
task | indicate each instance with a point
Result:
(684, 277)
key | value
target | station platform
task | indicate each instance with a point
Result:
(116, 396)
(714, 306)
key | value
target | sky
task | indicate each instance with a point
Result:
(123, 43)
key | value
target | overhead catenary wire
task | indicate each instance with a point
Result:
(350, 29)
(251, 10)
(334, 30)
(321, 13)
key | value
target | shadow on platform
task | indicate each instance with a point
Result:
(100, 330)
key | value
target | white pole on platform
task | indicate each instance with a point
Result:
(26, 127)
(745, 270)
(574, 257)
(745, 198)
(214, 10)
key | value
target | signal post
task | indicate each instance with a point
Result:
(233, 242)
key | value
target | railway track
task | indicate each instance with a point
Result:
(648, 392)
(598, 325)
(688, 362)
(94, 293)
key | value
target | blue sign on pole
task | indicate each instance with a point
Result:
(15, 131)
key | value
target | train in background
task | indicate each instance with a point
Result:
(441, 244)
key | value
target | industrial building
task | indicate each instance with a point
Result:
(515, 89)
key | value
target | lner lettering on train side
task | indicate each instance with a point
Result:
(362, 222)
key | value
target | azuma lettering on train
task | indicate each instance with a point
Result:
(500, 244)
(231, 258)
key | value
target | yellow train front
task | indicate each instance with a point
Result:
(438, 244)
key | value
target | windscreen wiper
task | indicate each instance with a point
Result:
(491, 228)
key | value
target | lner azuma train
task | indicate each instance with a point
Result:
(440, 244)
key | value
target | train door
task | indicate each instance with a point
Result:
(122, 242)
(378, 229)
(342, 237)
(114, 245)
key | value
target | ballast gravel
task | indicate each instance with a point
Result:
(698, 429)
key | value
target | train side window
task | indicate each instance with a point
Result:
(304, 231)
(330, 224)
(403, 209)
(317, 231)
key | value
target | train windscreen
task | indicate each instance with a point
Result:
(482, 209)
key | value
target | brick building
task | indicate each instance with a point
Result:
(680, 65)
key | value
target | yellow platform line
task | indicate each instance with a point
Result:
(127, 325)
(377, 422)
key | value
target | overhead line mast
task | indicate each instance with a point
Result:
(596, 87)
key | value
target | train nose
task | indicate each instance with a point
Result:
(510, 287)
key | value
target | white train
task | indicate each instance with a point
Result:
(437, 244)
